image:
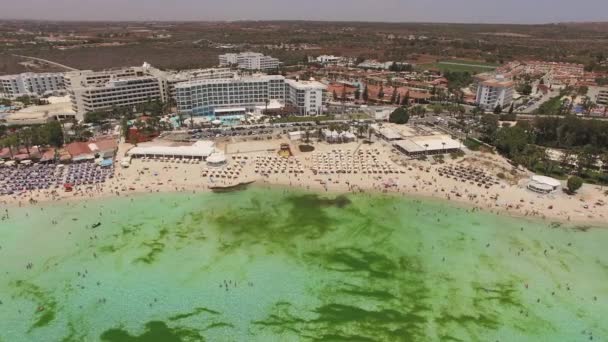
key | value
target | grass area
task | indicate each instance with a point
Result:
(464, 61)
(359, 116)
(459, 66)
(303, 118)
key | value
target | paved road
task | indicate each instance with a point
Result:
(48, 62)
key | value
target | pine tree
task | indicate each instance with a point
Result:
(406, 99)
(365, 94)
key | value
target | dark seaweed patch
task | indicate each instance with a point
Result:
(156, 331)
(46, 304)
(155, 248)
(195, 312)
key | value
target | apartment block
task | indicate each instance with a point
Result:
(494, 91)
(598, 95)
(29, 83)
(306, 96)
(249, 61)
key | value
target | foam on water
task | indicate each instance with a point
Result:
(282, 265)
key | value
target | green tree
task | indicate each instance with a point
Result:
(512, 141)
(381, 93)
(365, 94)
(394, 95)
(406, 99)
(26, 100)
(400, 116)
(357, 94)
(437, 109)
(587, 157)
(418, 111)
(574, 183)
(124, 128)
(498, 109)
(54, 133)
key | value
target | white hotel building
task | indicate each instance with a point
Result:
(127, 87)
(494, 91)
(29, 83)
(208, 97)
(221, 97)
(306, 96)
(249, 61)
(101, 90)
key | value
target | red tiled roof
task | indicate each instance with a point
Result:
(105, 144)
(78, 148)
(48, 154)
(5, 153)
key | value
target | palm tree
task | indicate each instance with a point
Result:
(11, 141)
(360, 130)
(25, 137)
(443, 143)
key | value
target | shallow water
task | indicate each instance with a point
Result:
(277, 265)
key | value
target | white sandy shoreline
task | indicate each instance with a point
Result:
(505, 199)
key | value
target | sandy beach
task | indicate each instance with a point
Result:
(351, 167)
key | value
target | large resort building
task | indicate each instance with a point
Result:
(29, 83)
(227, 98)
(101, 90)
(95, 91)
(216, 97)
(249, 61)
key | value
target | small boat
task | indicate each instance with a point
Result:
(229, 188)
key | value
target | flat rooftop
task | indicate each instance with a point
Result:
(428, 143)
(306, 84)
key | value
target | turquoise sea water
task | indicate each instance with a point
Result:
(277, 265)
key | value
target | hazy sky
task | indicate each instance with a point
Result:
(501, 11)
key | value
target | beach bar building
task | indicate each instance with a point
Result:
(199, 150)
(427, 145)
(543, 184)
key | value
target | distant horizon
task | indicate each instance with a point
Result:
(297, 20)
(512, 12)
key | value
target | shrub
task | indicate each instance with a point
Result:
(574, 183)
(306, 148)
(399, 116)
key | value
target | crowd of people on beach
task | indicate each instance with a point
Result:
(25, 178)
